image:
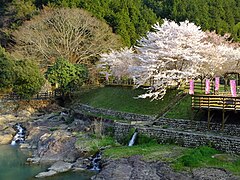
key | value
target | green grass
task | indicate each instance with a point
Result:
(183, 110)
(123, 99)
(180, 158)
(103, 116)
(91, 143)
(150, 152)
(207, 157)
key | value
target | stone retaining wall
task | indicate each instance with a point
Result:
(198, 126)
(165, 123)
(183, 132)
(186, 139)
(122, 115)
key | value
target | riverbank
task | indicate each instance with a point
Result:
(136, 168)
(49, 137)
(66, 140)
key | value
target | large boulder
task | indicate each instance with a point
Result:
(56, 146)
(5, 138)
(213, 174)
(7, 118)
(45, 174)
(6, 133)
(135, 168)
(57, 167)
(61, 166)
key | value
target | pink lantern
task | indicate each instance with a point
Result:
(207, 88)
(191, 88)
(233, 88)
(217, 82)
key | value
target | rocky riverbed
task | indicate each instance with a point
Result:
(135, 168)
(53, 135)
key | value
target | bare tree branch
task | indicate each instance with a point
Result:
(70, 33)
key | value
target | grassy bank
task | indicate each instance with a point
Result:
(180, 158)
(183, 110)
(124, 99)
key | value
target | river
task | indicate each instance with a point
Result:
(13, 167)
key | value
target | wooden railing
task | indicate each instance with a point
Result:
(121, 81)
(39, 96)
(215, 102)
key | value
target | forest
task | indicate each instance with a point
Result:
(131, 19)
(38, 34)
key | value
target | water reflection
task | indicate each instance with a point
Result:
(13, 167)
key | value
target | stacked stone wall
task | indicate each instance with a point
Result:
(186, 139)
(121, 115)
(182, 132)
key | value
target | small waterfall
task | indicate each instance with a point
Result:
(95, 162)
(132, 141)
(20, 135)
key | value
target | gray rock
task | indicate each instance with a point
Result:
(25, 146)
(60, 166)
(46, 174)
(212, 174)
(82, 163)
(135, 168)
(33, 160)
(56, 146)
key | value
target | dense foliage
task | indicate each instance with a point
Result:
(6, 70)
(66, 75)
(222, 15)
(133, 18)
(22, 77)
(29, 80)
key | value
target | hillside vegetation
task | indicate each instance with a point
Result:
(124, 99)
(133, 18)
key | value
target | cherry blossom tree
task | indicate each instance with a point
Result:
(118, 63)
(170, 55)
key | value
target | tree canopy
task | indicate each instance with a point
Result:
(172, 54)
(7, 75)
(22, 77)
(66, 75)
(73, 34)
(133, 18)
(29, 80)
(221, 16)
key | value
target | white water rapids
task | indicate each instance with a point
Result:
(20, 135)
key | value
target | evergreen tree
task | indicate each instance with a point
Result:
(29, 79)
(6, 71)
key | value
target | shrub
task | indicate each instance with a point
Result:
(6, 71)
(29, 79)
(195, 157)
(144, 139)
(66, 75)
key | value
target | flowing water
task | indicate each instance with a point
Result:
(96, 162)
(20, 135)
(13, 167)
(132, 141)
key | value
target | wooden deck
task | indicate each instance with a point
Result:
(216, 102)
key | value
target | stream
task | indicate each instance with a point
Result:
(13, 166)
